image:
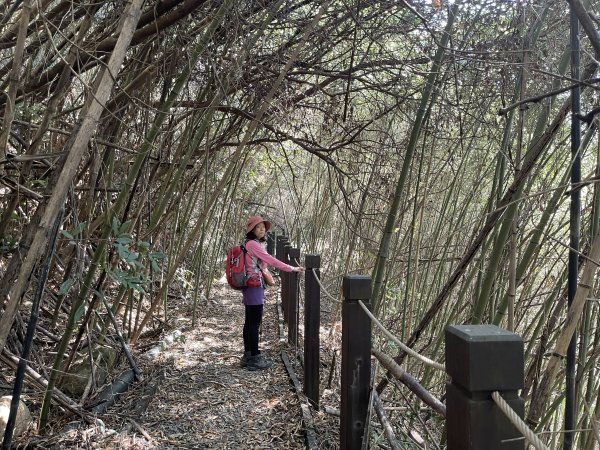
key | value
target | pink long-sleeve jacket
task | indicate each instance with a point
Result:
(257, 259)
(256, 253)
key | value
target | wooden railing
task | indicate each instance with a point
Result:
(482, 362)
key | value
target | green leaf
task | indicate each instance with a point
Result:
(124, 228)
(66, 286)
(123, 251)
(154, 257)
(115, 225)
(79, 228)
(80, 311)
(66, 234)
(132, 256)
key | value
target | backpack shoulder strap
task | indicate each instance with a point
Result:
(254, 257)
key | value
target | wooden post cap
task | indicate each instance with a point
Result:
(357, 287)
(312, 261)
(484, 358)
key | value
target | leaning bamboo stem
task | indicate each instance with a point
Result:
(574, 314)
(94, 106)
(428, 96)
(410, 382)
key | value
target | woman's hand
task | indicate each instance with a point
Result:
(298, 269)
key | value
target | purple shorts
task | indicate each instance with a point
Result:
(254, 295)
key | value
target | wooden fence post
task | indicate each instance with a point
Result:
(292, 300)
(482, 359)
(270, 243)
(285, 285)
(356, 361)
(312, 324)
(280, 241)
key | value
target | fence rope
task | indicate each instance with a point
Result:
(502, 404)
(518, 422)
(327, 294)
(399, 343)
(512, 416)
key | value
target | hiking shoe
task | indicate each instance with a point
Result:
(244, 359)
(258, 362)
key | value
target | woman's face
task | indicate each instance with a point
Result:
(259, 230)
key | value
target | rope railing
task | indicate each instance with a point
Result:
(518, 422)
(399, 343)
(358, 346)
(327, 294)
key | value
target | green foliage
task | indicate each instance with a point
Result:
(73, 235)
(7, 244)
(129, 280)
(134, 257)
(66, 286)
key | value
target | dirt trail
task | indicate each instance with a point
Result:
(208, 401)
(195, 395)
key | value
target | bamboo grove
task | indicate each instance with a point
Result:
(424, 143)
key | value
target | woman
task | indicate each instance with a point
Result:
(256, 261)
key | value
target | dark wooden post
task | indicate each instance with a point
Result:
(280, 241)
(482, 359)
(312, 323)
(285, 285)
(356, 361)
(292, 305)
(270, 243)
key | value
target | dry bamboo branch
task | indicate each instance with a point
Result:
(388, 430)
(410, 382)
(59, 397)
(9, 108)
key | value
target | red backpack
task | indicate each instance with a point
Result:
(235, 268)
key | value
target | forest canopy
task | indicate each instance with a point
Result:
(425, 143)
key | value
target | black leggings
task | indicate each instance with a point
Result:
(251, 326)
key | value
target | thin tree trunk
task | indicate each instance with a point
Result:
(512, 267)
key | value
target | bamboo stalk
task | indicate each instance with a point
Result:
(573, 316)
(429, 95)
(14, 77)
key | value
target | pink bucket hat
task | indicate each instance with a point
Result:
(255, 220)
